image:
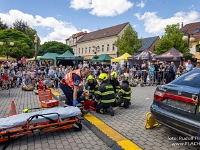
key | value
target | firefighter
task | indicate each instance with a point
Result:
(115, 83)
(70, 84)
(124, 95)
(91, 87)
(105, 96)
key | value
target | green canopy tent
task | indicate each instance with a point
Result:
(104, 58)
(79, 58)
(50, 56)
(94, 59)
(66, 56)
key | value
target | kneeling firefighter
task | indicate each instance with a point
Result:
(91, 87)
(124, 95)
(113, 80)
(105, 97)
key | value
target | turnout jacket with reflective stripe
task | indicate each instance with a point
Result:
(93, 87)
(106, 93)
(115, 84)
(125, 91)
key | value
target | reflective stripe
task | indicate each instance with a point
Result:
(68, 77)
(109, 87)
(108, 101)
(107, 93)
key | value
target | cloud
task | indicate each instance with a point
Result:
(155, 25)
(60, 29)
(102, 8)
(141, 4)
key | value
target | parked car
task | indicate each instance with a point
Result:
(176, 105)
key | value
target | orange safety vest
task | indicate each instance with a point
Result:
(68, 77)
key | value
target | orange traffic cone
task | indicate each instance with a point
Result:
(12, 109)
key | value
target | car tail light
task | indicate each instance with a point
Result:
(159, 95)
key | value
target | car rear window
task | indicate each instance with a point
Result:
(191, 79)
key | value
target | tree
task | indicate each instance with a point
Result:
(54, 47)
(20, 25)
(23, 45)
(128, 42)
(171, 38)
(3, 25)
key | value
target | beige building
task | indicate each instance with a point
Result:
(100, 42)
(71, 41)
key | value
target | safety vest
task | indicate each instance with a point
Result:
(69, 79)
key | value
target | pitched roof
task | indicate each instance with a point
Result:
(192, 28)
(76, 35)
(147, 42)
(102, 33)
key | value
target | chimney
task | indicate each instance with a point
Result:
(181, 24)
(85, 32)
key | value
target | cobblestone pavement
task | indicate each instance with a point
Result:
(66, 140)
(130, 123)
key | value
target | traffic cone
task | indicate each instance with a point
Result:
(12, 109)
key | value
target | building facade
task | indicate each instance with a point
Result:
(71, 41)
(192, 30)
(100, 42)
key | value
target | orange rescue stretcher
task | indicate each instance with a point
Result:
(48, 120)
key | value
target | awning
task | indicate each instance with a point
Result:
(49, 56)
(66, 56)
(104, 58)
(4, 58)
(32, 59)
(123, 57)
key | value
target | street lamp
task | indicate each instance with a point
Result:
(11, 44)
(188, 38)
(35, 42)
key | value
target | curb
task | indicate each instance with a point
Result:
(113, 139)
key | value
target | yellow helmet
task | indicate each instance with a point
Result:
(126, 75)
(103, 76)
(90, 77)
(114, 75)
(26, 110)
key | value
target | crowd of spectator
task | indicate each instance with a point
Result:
(26, 76)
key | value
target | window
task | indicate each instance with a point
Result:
(102, 48)
(107, 47)
(79, 51)
(105, 33)
(82, 50)
(89, 49)
(92, 37)
(184, 31)
(191, 79)
(197, 30)
(113, 48)
(86, 50)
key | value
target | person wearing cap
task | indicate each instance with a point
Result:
(105, 97)
(113, 80)
(124, 95)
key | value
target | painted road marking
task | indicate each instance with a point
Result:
(122, 141)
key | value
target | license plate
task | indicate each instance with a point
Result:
(190, 108)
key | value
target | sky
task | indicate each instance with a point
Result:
(56, 20)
